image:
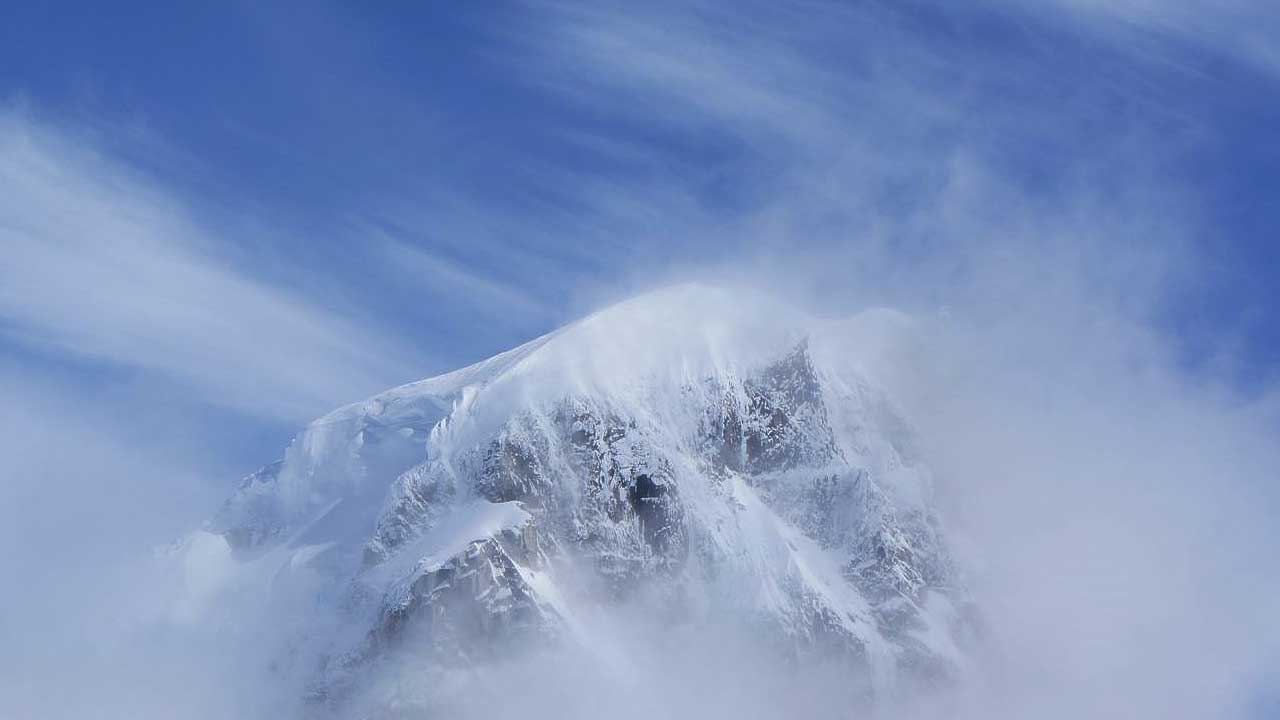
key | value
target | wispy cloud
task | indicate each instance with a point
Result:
(102, 262)
(882, 143)
(1244, 31)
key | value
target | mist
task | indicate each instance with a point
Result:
(1102, 440)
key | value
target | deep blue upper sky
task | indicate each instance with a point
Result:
(472, 177)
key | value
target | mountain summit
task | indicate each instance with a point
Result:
(687, 464)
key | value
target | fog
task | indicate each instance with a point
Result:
(1110, 488)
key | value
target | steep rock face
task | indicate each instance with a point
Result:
(478, 594)
(470, 515)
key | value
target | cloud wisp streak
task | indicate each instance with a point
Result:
(102, 263)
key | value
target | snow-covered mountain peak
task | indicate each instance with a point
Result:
(720, 454)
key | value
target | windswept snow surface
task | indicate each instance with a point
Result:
(692, 463)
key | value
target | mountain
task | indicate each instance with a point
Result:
(689, 464)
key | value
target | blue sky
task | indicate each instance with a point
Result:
(220, 222)
(385, 193)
